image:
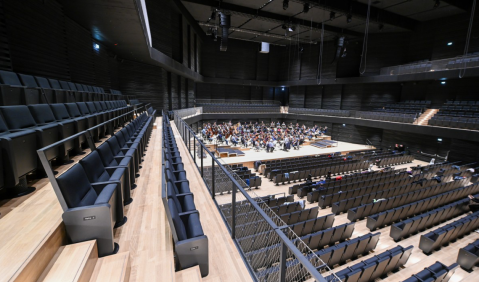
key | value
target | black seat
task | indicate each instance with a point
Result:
(12, 92)
(109, 160)
(91, 209)
(62, 95)
(46, 96)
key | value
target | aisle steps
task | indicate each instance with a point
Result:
(191, 274)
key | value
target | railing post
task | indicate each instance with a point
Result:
(189, 142)
(201, 161)
(233, 204)
(282, 262)
(194, 150)
(213, 178)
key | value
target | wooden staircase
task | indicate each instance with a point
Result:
(426, 116)
(80, 263)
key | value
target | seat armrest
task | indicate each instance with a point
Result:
(188, 213)
(98, 186)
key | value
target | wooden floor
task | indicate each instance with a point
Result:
(225, 261)
(418, 260)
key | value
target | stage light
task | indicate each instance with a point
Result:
(332, 15)
(282, 88)
(437, 3)
(439, 139)
(443, 82)
(449, 43)
(306, 8)
(96, 46)
(349, 18)
(291, 28)
(285, 4)
(344, 124)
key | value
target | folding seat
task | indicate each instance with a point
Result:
(102, 117)
(45, 95)
(338, 252)
(12, 92)
(83, 91)
(60, 94)
(338, 233)
(304, 215)
(73, 90)
(18, 159)
(109, 160)
(349, 250)
(294, 217)
(82, 200)
(93, 118)
(348, 231)
(43, 115)
(372, 242)
(19, 118)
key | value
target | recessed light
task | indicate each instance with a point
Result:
(443, 82)
(449, 43)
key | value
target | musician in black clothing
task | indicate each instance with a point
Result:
(474, 207)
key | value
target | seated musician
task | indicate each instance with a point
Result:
(234, 140)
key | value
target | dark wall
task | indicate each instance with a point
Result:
(242, 92)
(37, 38)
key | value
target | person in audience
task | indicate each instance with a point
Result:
(328, 177)
(475, 206)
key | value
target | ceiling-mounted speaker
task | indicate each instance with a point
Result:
(264, 47)
(225, 24)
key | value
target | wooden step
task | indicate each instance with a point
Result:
(76, 262)
(114, 268)
(191, 274)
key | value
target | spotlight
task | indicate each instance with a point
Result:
(349, 18)
(332, 15)
(306, 8)
(282, 88)
(96, 46)
(449, 43)
(381, 26)
(291, 28)
(437, 3)
(443, 82)
(285, 4)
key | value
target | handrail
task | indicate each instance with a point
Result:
(186, 132)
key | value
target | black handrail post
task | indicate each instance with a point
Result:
(201, 162)
(282, 261)
(194, 150)
(189, 142)
(213, 178)
(233, 203)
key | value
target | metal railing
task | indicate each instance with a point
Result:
(276, 253)
(189, 112)
(459, 62)
(237, 102)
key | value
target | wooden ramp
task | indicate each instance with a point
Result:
(225, 261)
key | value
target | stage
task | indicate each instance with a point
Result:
(250, 155)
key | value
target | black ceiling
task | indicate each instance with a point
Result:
(256, 19)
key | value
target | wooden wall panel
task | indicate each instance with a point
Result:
(80, 52)
(36, 31)
(313, 97)
(274, 62)
(184, 93)
(5, 61)
(113, 66)
(348, 66)
(296, 96)
(203, 91)
(386, 49)
(332, 97)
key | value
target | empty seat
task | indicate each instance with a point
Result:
(12, 92)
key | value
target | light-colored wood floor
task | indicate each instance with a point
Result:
(225, 261)
(418, 260)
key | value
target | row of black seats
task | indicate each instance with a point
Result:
(456, 122)
(438, 272)
(93, 192)
(313, 225)
(360, 177)
(345, 203)
(191, 244)
(396, 201)
(25, 89)
(375, 267)
(396, 160)
(426, 220)
(241, 109)
(319, 112)
(326, 197)
(468, 256)
(328, 237)
(299, 216)
(443, 235)
(392, 215)
(25, 129)
(273, 169)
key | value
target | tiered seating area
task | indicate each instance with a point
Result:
(191, 244)
(457, 114)
(319, 112)
(405, 112)
(435, 272)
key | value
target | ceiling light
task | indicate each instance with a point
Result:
(449, 43)
(306, 8)
(443, 82)
(290, 29)
(437, 3)
(332, 15)
(285, 4)
(349, 18)
(96, 46)
(282, 88)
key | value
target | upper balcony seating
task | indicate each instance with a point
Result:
(319, 112)
(227, 108)
(191, 244)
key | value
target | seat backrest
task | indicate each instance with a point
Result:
(98, 107)
(106, 155)
(178, 223)
(64, 85)
(28, 80)
(75, 187)
(73, 109)
(73, 86)
(78, 86)
(90, 88)
(9, 78)
(94, 168)
(114, 145)
(3, 126)
(83, 108)
(42, 113)
(60, 111)
(91, 107)
(17, 117)
(43, 82)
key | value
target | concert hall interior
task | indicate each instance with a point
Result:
(228, 140)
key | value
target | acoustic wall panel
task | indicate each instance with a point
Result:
(5, 61)
(313, 97)
(100, 63)
(332, 97)
(296, 96)
(256, 93)
(191, 93)
(183, 92)
(174, 91)
(36, 32)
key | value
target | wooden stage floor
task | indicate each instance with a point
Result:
(307, 150)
